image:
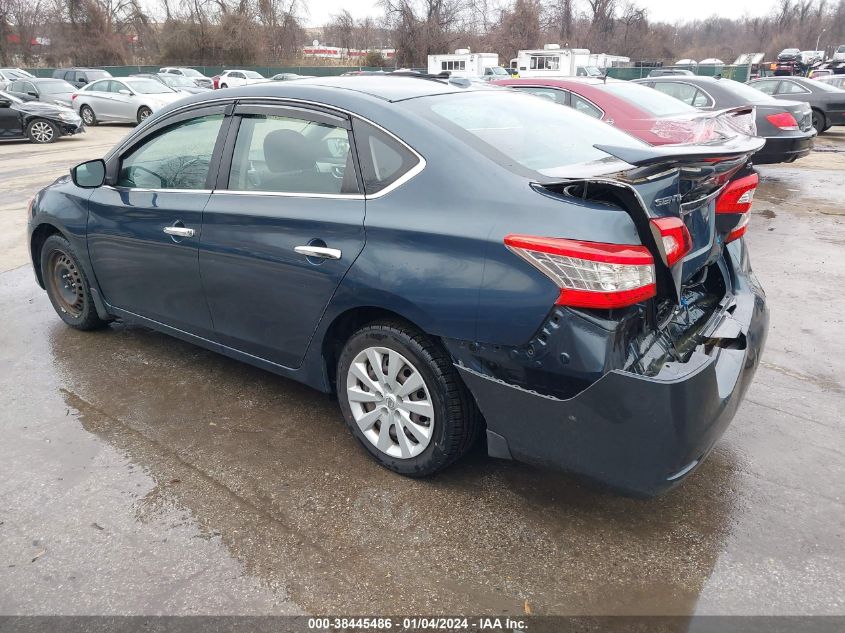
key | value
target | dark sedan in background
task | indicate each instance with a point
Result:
(39, 122)
(787, 126)
(54, 91)
(588, 306)
(827, 101)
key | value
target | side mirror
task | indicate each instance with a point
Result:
(125, 92)
(89, 175)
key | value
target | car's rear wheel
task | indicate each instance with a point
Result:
(819, 121)
(66, 284)
(42, 131)
(403, 399)
(88, 116)
(143, 113)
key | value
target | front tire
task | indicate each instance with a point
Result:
(403, 399)
(143, 113)
(88, 116)
(42, 131)
(224, 86)
(67, 286)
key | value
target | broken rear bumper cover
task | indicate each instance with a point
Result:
(638, 434)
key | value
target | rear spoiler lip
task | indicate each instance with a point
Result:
(655, 155)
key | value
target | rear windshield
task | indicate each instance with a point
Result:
(538, 135)
(652, 101)
(96, 74)
(190, 72)
(55, 86)
(252, 74)
(825, 87)
(745, 92)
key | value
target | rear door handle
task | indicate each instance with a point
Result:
(319, 251)
(179, 231)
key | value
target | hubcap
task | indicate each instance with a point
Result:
(145, 113)
(42, 132)
(66, 282)
(390, 402)
(87, 115)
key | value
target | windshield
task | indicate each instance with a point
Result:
(190, 72)
(497, 70)
(12, 98)
(55, 86)
(148, 86)
(177, 81)
(252, 74)
(652, 101)
(536, 134)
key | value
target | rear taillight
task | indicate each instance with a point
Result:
(783, 120)
(740, 229)
(738, 195)
(590, 274)
(673, 239)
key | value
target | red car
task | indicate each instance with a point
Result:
(657, 119)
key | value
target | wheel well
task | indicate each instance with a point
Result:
(39, 236)
(345, 325)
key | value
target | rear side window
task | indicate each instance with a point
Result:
(584, 106)
(767, 86)
(687, 93)
(792, 88)
(177, 158)
(384, 160)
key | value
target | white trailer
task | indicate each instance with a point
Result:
(552, 61)
(463, 63)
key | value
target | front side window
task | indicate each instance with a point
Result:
(179, 157)
(291, 155)
(384, 160)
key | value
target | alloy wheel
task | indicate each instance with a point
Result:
(88, 115)
(143, 113)
(42, 132)
(390, 402)
(66, 282)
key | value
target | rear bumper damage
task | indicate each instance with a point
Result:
(637, 431)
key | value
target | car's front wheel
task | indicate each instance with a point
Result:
(88, 116)
(42, 131)
(224, 86)
(67, 286)
(143, 113)
(403, 399)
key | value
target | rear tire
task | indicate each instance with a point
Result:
(67, 286)
(143, 113)
(88, 116)
(819, 121)
(42, 131)
(415, 433)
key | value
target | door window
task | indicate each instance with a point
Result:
(687, 93)
(384, 160)
(584, 106)
(177, 158)
(292, 155)
(791, 88)
(552, 94)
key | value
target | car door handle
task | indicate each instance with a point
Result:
(319, 251)
(179, 231)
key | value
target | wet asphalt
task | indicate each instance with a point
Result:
(142, 475)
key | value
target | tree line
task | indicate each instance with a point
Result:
(273, 32)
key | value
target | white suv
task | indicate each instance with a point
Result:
(232, 78)
(839, 55)
(196, 76)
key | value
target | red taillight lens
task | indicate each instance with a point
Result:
(783, 120)
(738, 195)
(590, 274)
(673, 239)
(740, 229)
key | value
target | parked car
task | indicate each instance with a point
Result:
(8, 75)
(233, 78)
(128, 99)
(818, 73)
(575, 313)
(669, 72)
(191, 73)
(55, 91)
(826, 101)
(80, 77)
(177, 82)
(837, 81)
(787, 126)
(789, 55)
(289, 76)
(39, 122)
(839, 54)
(495, 72)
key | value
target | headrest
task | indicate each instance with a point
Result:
(288, 150)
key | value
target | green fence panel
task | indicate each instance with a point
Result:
(739, 73)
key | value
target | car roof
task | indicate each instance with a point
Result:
(395, 88)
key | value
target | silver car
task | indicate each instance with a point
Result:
(130, 99)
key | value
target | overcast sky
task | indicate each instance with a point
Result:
(666, 10)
